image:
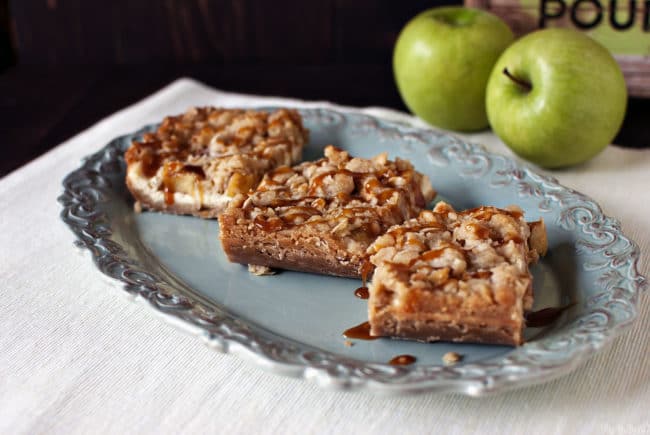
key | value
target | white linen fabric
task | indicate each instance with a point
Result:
(77, 356)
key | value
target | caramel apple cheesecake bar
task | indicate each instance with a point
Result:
(455, 276)
(196, 162)
(321, 216)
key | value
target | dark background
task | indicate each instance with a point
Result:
(65, 64)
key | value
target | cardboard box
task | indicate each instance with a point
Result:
(623, 26)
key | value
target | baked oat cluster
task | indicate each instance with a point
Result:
(196, 162)
(455, 276)
(321, 216)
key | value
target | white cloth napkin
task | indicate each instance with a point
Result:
(77, 356)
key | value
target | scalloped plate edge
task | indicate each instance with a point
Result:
(78, 192)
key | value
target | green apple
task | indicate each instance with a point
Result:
(556, 97)
(442, 60)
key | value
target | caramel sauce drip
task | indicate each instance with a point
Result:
(362, 292)
(201, 196)
(173, 169)
(168, 186)
(169, 195)
(545, 316)
(360, 332)
(402, 360)
(366, 268)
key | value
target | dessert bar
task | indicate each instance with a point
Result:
(455, 276)
(196, 162)
(321, 216)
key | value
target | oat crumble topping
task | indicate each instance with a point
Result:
(213, 151)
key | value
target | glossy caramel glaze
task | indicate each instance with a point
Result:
(360, 332)
(362, 292)
(545, 316)
(402, 360)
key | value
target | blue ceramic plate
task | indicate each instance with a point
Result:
(291, 323)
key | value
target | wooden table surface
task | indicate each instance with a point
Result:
(41, 107)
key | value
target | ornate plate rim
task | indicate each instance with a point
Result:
(609, 312)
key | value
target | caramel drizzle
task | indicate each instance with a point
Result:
(481, 231)
(366, 268)
(402, 360)
(360, 332)
(365, 183)
(545, 316)
(362, 292)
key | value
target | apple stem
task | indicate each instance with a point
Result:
(524, 84)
